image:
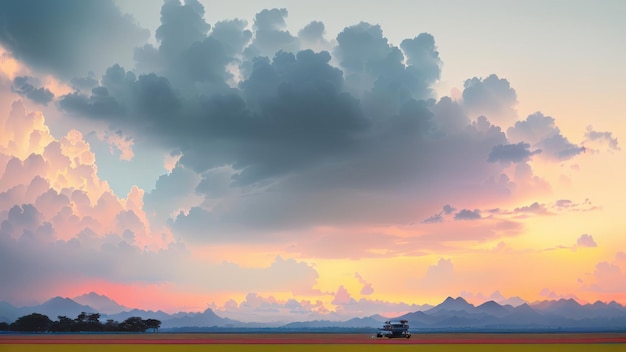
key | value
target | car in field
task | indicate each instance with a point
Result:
(394, 329)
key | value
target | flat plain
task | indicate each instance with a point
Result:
(311, 342)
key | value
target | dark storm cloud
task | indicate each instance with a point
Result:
(541, 132)
(23, 87)
(68, 37)
(511, 153)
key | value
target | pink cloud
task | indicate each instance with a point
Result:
(586, 241)
(118, 142)
(342, 297)
(367, 288)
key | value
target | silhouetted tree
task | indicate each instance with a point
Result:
(33, 322)
(93, 322)
(152, 324)
(133, 324)
(63, 324)
(111, 325)
(87, 322)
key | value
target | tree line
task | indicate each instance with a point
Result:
(84, 322)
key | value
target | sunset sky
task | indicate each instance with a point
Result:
(303, 159)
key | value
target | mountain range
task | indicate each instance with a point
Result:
(453, 314)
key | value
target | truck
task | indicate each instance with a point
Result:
(394, 329)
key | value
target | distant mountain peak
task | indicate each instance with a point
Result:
(100, 302)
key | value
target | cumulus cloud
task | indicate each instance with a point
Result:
(312, 36)
(542, 133)
(491, 96)
(367, 288)
(342, 297)
(268, 128)
(608, 277)
(259, 308)
(511, 153)
(597, 139)
(23, 87)
(586, 240)
(270, 35)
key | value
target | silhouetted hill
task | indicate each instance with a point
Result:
(145, 314)
(102, 303)
(8, 313)
(453, 314)
(452, 305)
(206, 318)
(58, 306)
(494, 309)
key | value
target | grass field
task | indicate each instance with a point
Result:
(306, 347)
(310, 342)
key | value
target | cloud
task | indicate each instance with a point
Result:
(542, 133)
(367, 288)
(534, 208)
(342, 297)
(608, 277)
(448, 209)
(270, 145)
(267, 129)
(312, 37)
(511, 153)
(270, 35)
(371, 63)
(586, 241)
(491, 96)
(173, 193)
(467, 214)
(258, 308)
(23, 87)
(434, 219)
(69, 37)
(120, 143)
(599, 138)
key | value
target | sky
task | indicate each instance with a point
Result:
(294, 160)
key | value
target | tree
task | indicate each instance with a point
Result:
(111, 325)
(152, 324)
(133, 324)
(63, 324)
(4, 326)
(34, 322)
(93, 322)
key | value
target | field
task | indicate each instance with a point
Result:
(311, 342)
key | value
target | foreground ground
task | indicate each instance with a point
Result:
(312, 342)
